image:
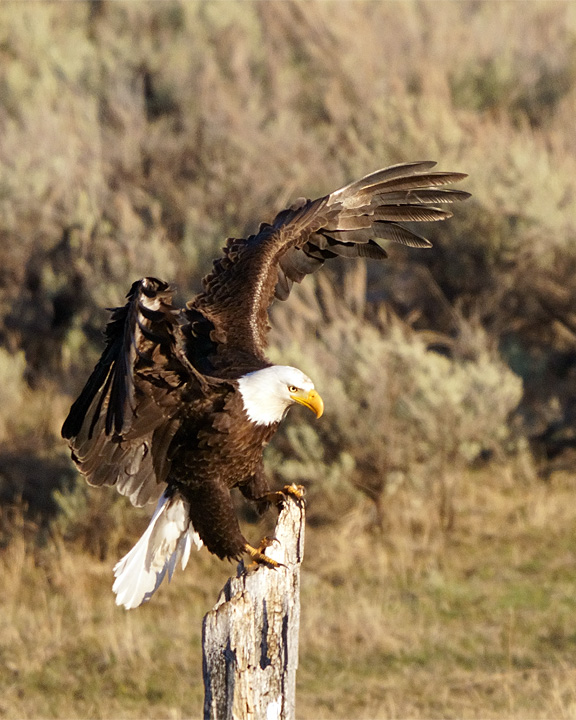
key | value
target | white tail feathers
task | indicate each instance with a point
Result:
(168, 539)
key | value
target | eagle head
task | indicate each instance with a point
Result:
(268, 394)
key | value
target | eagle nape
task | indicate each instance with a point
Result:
(183, 400)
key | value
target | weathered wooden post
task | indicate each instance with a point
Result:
(250, 637)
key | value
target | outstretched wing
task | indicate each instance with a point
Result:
(121, 425)
(231, 312)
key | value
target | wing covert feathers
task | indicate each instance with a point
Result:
(347, 223)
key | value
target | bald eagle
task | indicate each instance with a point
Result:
(182, 402)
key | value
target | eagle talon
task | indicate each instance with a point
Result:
(279, 497)
(267, 542)
(258, 556)
(295, 491)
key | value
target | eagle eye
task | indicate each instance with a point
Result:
(292, 388)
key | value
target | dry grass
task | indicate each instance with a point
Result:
(474, 623)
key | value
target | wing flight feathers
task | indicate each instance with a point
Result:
(347, 223)
(120, 427)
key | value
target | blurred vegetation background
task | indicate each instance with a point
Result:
(137, 136)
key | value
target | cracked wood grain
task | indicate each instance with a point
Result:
(250, 637)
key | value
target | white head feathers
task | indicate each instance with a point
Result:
(267, 394)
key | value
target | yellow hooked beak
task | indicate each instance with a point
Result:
(311, 400)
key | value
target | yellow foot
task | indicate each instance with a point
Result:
(257, 554)
(277, 498)
(296, 491)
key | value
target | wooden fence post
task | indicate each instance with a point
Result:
(250, 637)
